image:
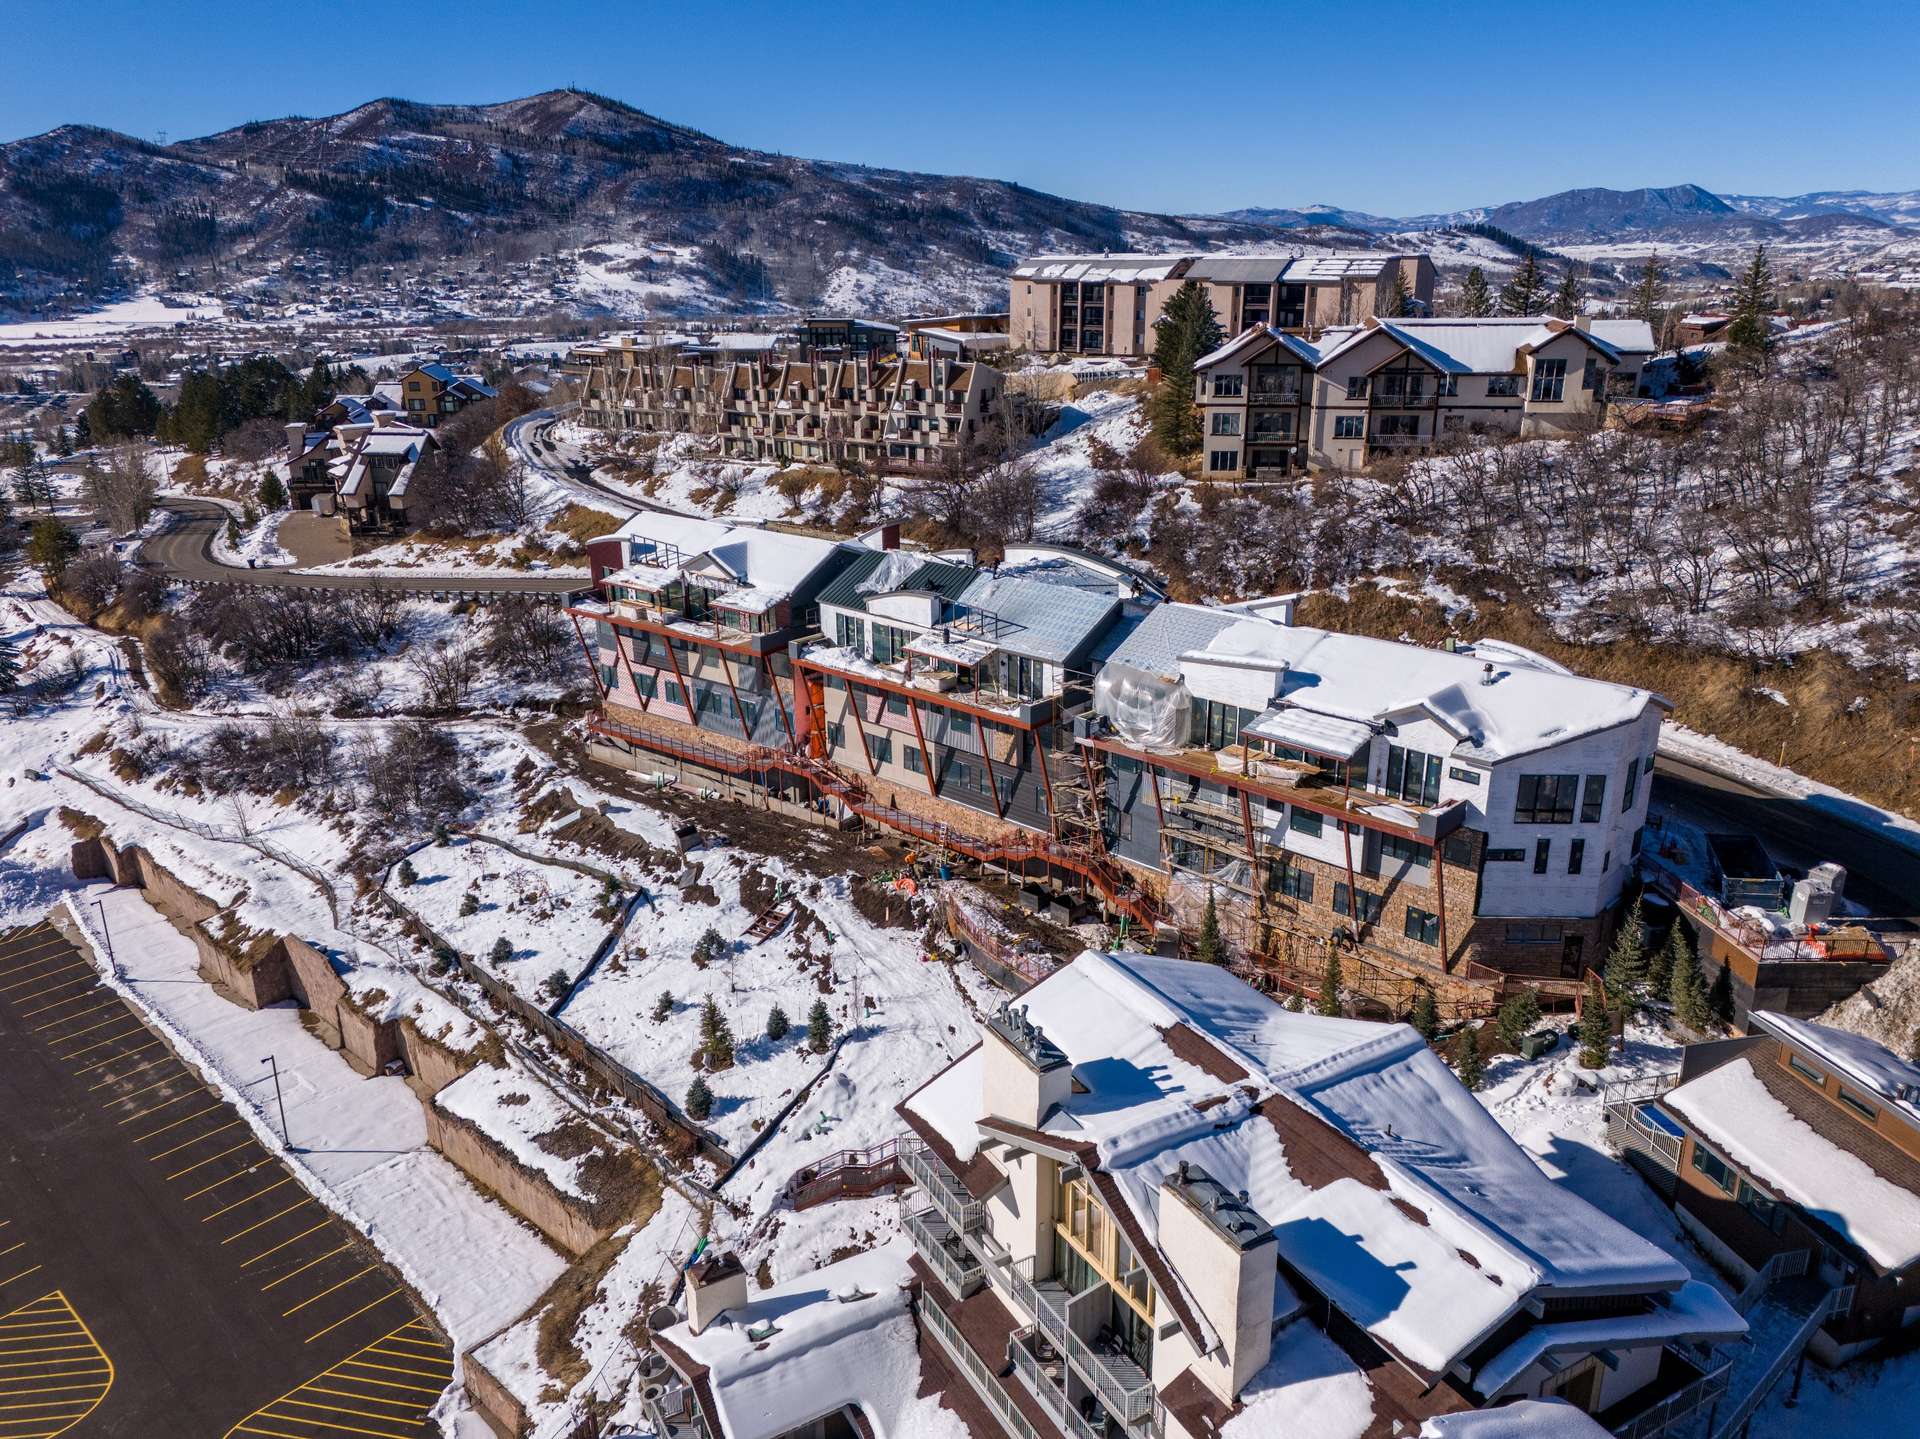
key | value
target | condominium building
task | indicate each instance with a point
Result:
(1276, 403)
(836, 396)
(1444, 816)
(360, 468)
(1107, 304)
(1151, 1201)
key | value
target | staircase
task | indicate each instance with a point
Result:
(1782, 1324)
(847, 1174)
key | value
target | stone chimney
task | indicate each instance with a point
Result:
(296, 442)
(1025, 1074)
(715, 1284)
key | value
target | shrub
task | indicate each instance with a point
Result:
(502, 950)
(406, 873)
(556, 984)
(663, 1007)
(819, 1027)
(699, 1099)
(716, 1037)
(777, 1023)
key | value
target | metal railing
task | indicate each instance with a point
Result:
(1678, 1408)
(956, 1206)
(985, 1381)
(935, 1243)
(1113, 1380)
(1787, 1264)
(1783, 1361)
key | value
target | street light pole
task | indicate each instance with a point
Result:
(274, 1065)
(106, 934)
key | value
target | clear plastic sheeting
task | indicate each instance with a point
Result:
(1146, 710)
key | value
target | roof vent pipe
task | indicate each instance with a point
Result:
(1486, 673)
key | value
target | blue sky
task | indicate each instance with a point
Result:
(1164, 106)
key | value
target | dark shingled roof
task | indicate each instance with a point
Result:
(943, 579)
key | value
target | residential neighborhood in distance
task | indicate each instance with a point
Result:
(655, 789)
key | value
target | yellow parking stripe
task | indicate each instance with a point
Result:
(340, 1394)
(316, 1298)
(91, 1028)
(113, 1003)
(88, 978)
(304, 1267)
(26, 974)
(68, 1363)
(60, 1004)
(189, 1143)
(176, 1123)
(116, 1078)
(69, 967)
(21, 1275)
(146, 1089)
(116, 1058)
(318, 1333)
(285, 1242)
(388, 1368)
(203, 1163)
(253, 1168)
(319, 1388)
(298, 1203)
(340, 1409)
(99, 1043)
(284, 1179)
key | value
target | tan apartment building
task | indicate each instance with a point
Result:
(1107, 304)
(877, 409)
(429, 394)
(1276, 403)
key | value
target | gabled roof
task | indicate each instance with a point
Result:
(851, 588)
(1353, 1141)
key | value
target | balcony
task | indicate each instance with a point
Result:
(985, 1380)
(1122, 1388)
(945, 1252)
(672, 1411)
(962, 1212)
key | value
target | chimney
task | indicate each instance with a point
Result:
(715, 1284)
(1214, 1239)
(1025, 1076)
(1583, 322)
(296, 442)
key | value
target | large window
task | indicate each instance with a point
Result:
(1546, 799)
(1217, 725)
(850, 633)
(1503, 387)
(1221, 461)
(1413, 776)
(1091, 1234)
(1227, 387)
(1628, 790)
(1348, 427)
(1226, 422)
(1576, 855)
(1421, 927)
(1296, 883)
(1356, 387)
(1714, 1167)
(1549, 380)
(1593, 799)
(1369, 904)
(1304, 821)
(1405, 851)
(889, 643)
(1397, 426)
(1542, 855)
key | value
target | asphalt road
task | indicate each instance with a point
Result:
(1882, 874)
(184, 550)
(190, 1284)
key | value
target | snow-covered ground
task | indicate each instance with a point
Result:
(259, 545)
(361, 1143)
(545, 912)
(144, 311)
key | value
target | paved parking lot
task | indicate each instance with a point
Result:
(189, 1282)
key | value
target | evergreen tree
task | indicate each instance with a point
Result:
(1566, 299)
(663, 1007)
(405, 874)
(1476, 297)
(318, 388)
(273, 494)
(440, 835)
(1720, 997)
(716, 1037)
(9, 666)
(1596, 1026)
(1526, 292)
(556, 985)
(1426, 1013)
(1329, 1001)
(1516, 1018)
(1748, 333)
(1626, 973)
(709, 947)
(469, 904)
(819, 1027)
(699, 1099)
(1467, 1062)
(1186, 330)
(1649, 290)
(1295, 1004)
(1209, 950)
(1688, 990)
(502, 950)
(1660, 963)
(777, 1024)
(50, 547)
(1399, 303)
(6, 522)
(63, 442)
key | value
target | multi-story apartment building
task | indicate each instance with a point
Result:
(940, 682)
(1107, 304)
(432, 393)
(1151, 1201)
(824, 400)
(1275, 403)
(688, 641)
(1794, 1150)
(360, 468)
(1471, 812)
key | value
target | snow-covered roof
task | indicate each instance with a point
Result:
(1737, 1113)
(1039, 620)
(1695, 1310)
(1529, 1419)
(814, 1344)
(1122, 269)
(1311, 731)
(1365, 680)
(1871, 1066)
(772, 562)
(1387, 1185)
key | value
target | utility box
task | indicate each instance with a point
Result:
(1811, 903)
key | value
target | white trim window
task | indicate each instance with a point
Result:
(1226, 422)
(1349, 427)
(1549, 381)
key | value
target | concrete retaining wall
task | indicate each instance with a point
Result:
(564, 1219)
(503, 1413)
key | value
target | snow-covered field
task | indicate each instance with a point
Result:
(144, 311)
(547, 913)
